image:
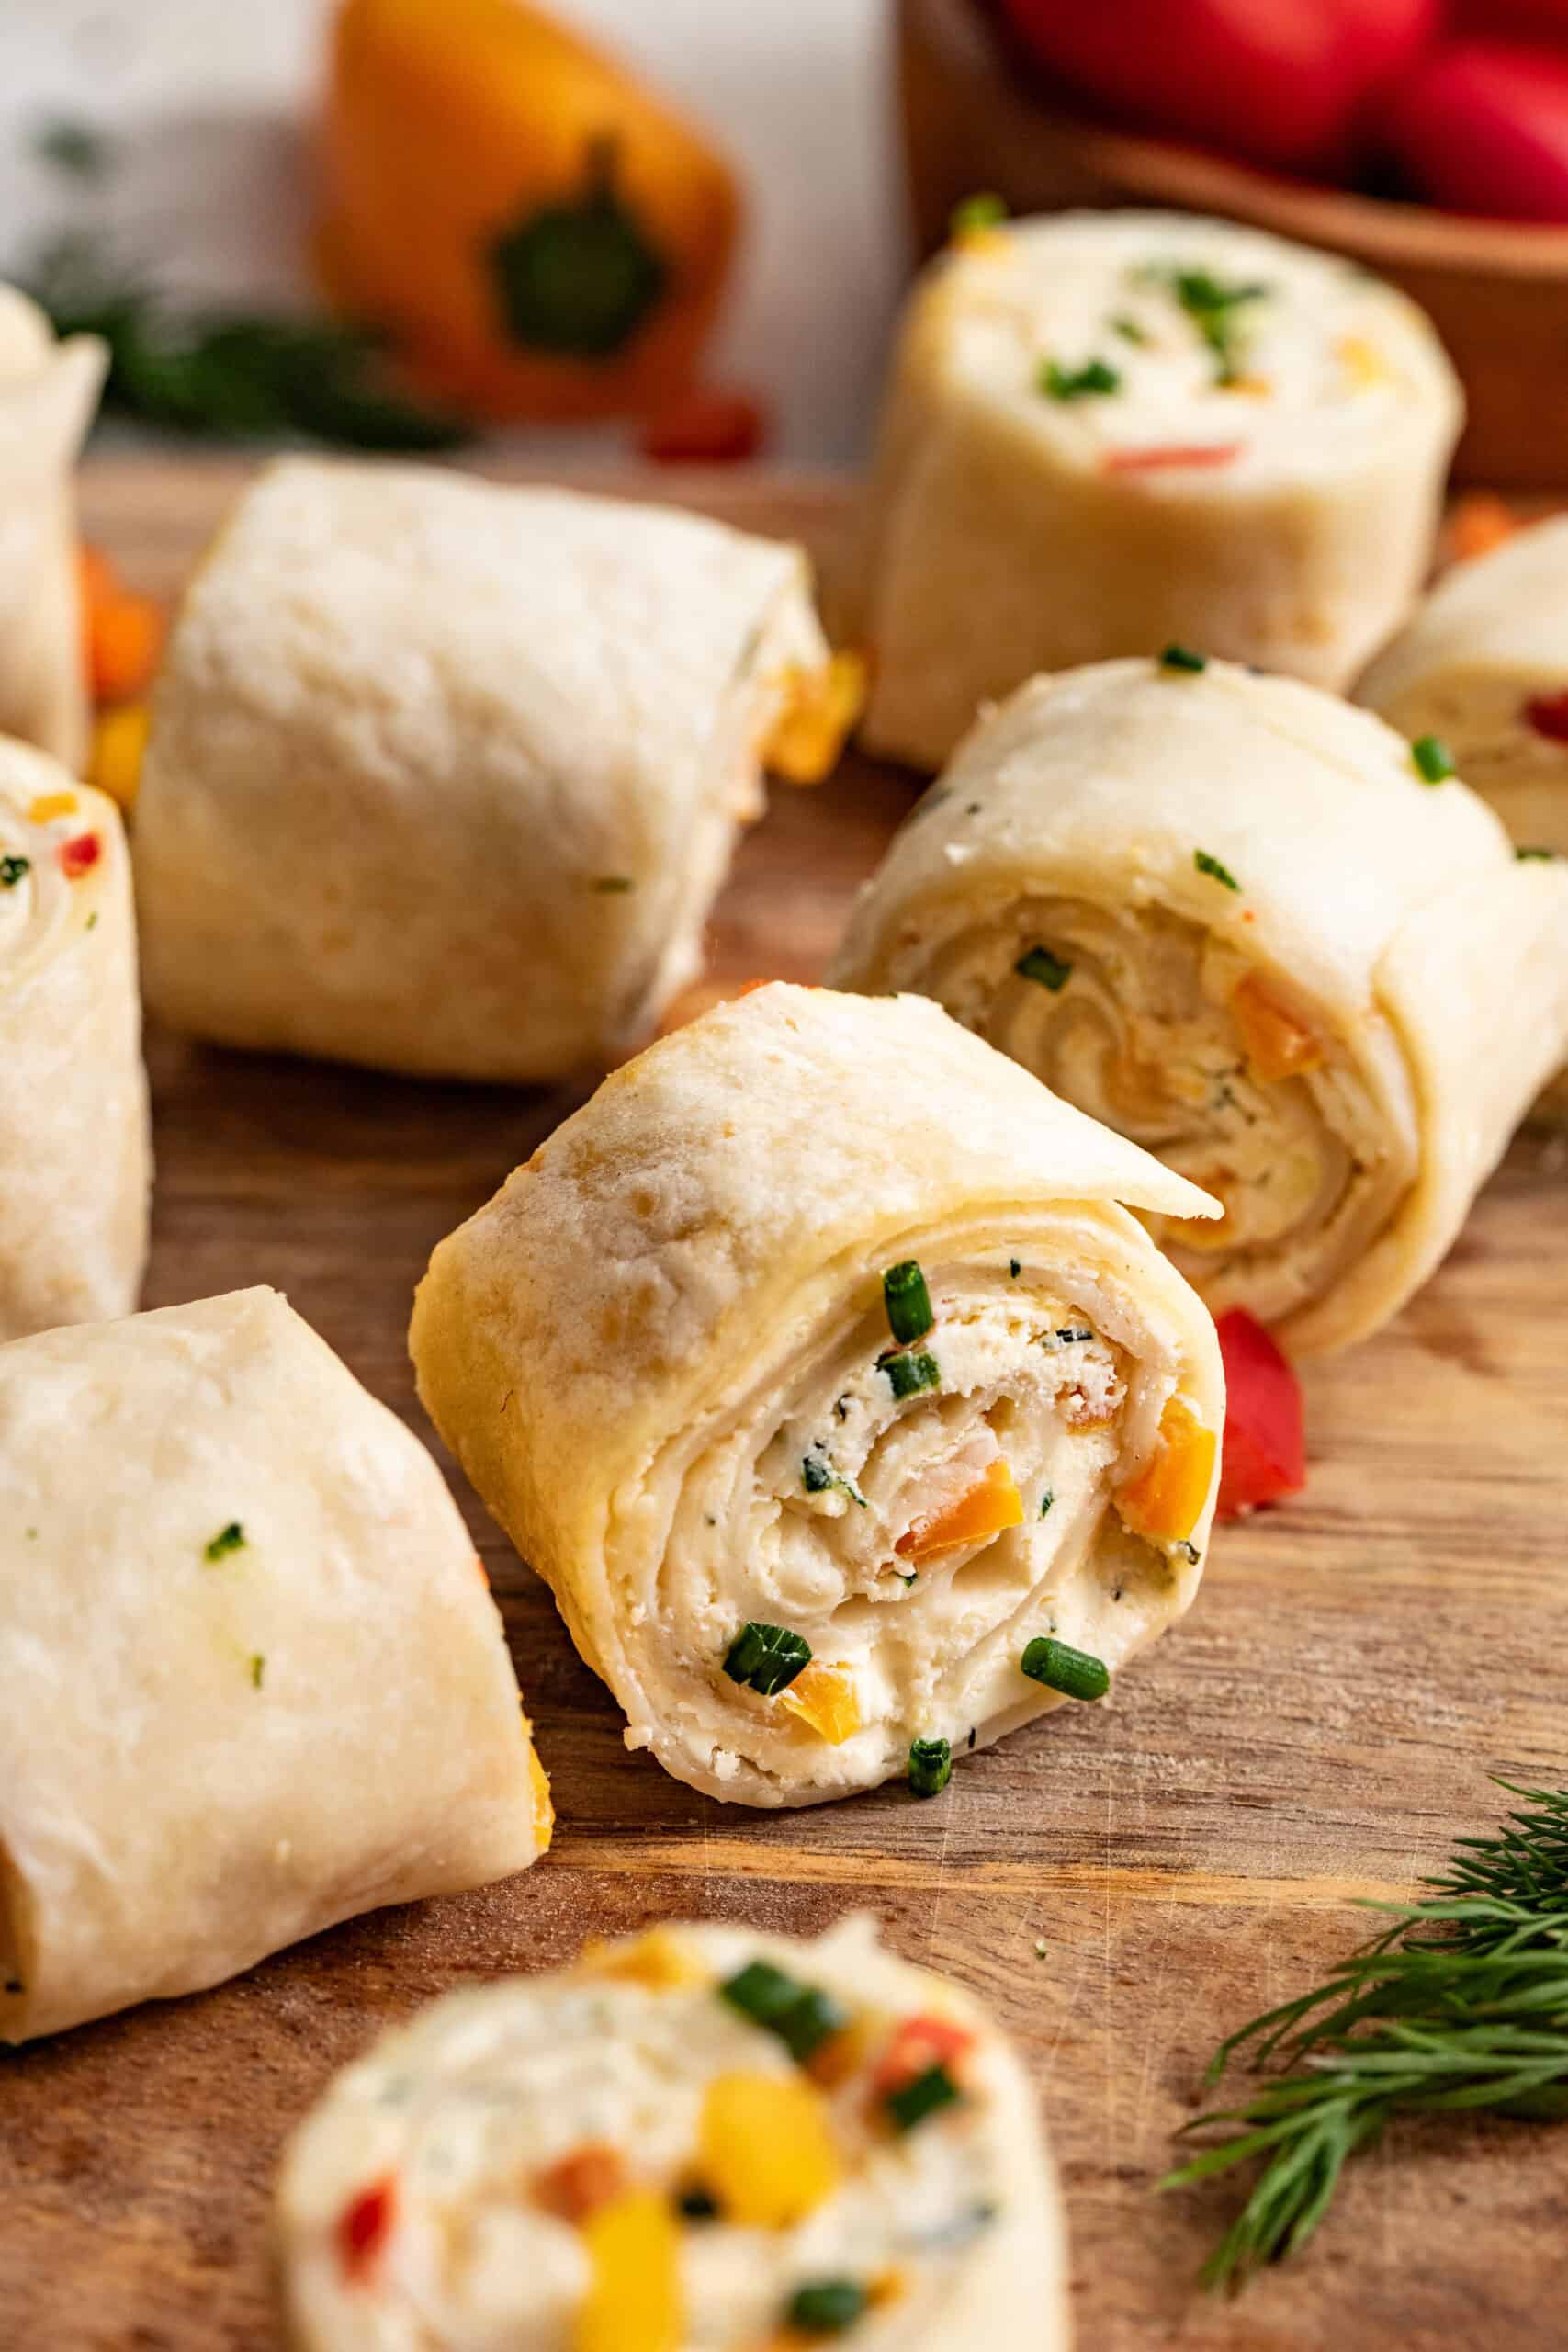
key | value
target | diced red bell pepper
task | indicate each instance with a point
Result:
(364, 2226)
(1482, 127)
(705, 428)
(1168, 456)
(1548, 714)
(79, 856)
(919, 2044)
(1265, 1449)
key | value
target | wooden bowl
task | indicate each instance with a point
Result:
(1497, 291)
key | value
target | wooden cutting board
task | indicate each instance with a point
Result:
(1318, 1730)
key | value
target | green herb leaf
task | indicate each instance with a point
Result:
(1181, 657)
(913, 2101)
(930, 1767)
(1212, 307)
(1550, 855)
(907, 1301)
(613, 886)
(766, 1658)
(78, 149)
(826, 2306)
(228, 1539)
(907, 1374)
(1128, 329)
(800, 2016)
(1215, 870)
(981, 211)
(259, 1670)
(12, 870)
(1046, 1499)
(1049, 970)
(818, 1475)
(1434, 761)
(1060, 1667)
(1093, 380)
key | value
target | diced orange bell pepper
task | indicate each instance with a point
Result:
(634, 2301)
(824, 1697)
(579, 2183)
(1479, 523)
(1166, 1501)
(1362, 361)
(122, 635)
(1275, 1044)
(765, 2149)
(120, 745)
(658, 1960)
(544, 1806)
(991, 1505)
(820, 708)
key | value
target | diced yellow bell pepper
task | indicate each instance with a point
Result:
(1166, 1501)
(633, 2303)
(1362, 361)
(543, 1806)
(119, 744)
(658, 1960)
(765, 2149)
(991, 1505)
(49, 805)
(820, 708)
(1275, 1044)
(824, 1697)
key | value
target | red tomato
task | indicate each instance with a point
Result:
(1264, 1457)
(1279, 82)
(1481, 126)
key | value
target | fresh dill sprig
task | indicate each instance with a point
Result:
(1460, 2003)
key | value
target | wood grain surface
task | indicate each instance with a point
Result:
(1318, 1729)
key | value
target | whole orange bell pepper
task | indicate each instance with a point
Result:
(536, 235)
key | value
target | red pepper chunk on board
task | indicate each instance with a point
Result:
(1548, 714)
(1168, 456)
(1264, 1449)
(364, 2226)
(919, 2044)
(79, 856)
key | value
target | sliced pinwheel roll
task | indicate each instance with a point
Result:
(1104, 430)
(444, 777)
(1259, 933)
(75, 1162)
(49, 390)
(704, 2137)
(816, 1365)
(253, 1680)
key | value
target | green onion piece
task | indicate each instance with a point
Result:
(1095, 378)
(1181, 657)
(912, 2102)
(981, 211)
(800, 2016)
(1549, 854)
(907, 1374)
(1215, 871)
(766, 1658)
(1128, 329)
(826, 2306)
(1049, 970)
(612, 885)
(258, 1668)
(1046, 1499)
(228, 1539)
(12, 870)
(930, 1767)
(1434, 761)
(907, 1301)
(1073, 1672)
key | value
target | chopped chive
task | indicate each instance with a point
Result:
(818, 1475)
(1434, 761)
(907, 1374)
(800, 2016)
(93, 919)
(258, 1670)
(1549, 854)
(913, 1576)
(1094, 378)
(930, 1767)
(1211, 306)
(12, 870)
(1215, 871)
(1128, 329)
(228, 1539)
(907, 1301)
(912, 2102)
(695, 2204)
(981, 211)
(1181, 657)
(612, 885)
(1040, 1947)
(1046, 1499)
(826, 2306)
(1015, 1267)
(1189, 1551)
(766, 1658)
(1060, 1667)
(1040, 965)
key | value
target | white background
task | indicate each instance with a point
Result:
(212, 101)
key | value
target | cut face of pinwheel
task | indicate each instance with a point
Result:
(817, 1365)
(1106, 430)
(254, 1683)
(75, 1163)
(49, 390)
(444, 777)
(703, 2137)
(1261, 933)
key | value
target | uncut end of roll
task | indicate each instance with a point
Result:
(817, 1365)
(75, 1159)
(444, 777)
(1239, 921)
(254, 1682)
(1106, 430)
(1482, 665)
(703, 2135)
